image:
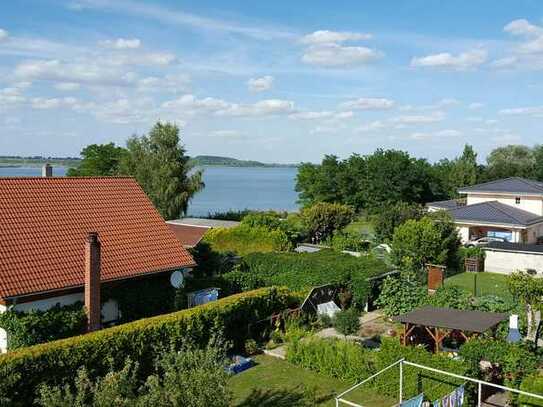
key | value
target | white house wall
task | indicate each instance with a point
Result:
(527, 203)
(510, 262)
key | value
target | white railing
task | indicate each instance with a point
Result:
(402, 362)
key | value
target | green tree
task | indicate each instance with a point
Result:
(460, 172)
(431, 239)
(160, 165)
(529, 291)
(99, 160)
(538, 158)
(319, 183)
(323, 219)
(367, 182)
(510, 161)
(391, 216)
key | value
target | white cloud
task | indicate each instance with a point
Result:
(262, 108)
(228, 134)
(189, 104)
(326, 37)
(461, 62)
(446, 102)
(11, 96)
(121, 43)
(523, 27)
(373, 126)
(368, 104)
(536, 111)
(505, 62)
(418, 119)
(335, 55)
(260, 84)
(434, 135)
(67, 86)
(175, 16)
(475, 105)
(529, 51)
(3, 34)
(74, 72)
(311, 115)
(52, 103)
(170, 83)
(325, 48)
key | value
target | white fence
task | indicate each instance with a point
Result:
(340, 399)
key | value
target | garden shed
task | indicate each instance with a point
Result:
(442, 323)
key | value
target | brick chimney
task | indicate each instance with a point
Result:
(47, 171)
(92, 282)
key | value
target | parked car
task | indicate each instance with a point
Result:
(484, 241)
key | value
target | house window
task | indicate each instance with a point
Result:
(517, 200)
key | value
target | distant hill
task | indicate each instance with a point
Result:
(232, 162)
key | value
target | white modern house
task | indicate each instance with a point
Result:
(511, 208)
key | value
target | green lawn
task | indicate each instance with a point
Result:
(276, 383)
(486, 283)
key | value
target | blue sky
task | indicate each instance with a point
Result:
(273, 81)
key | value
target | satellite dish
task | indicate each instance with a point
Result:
(176, 279)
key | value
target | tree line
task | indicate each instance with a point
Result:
(371, 182)
(156, 160)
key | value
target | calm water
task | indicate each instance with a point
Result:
(226, 188)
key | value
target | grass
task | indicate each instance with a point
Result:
(486, 283)
(277, 383)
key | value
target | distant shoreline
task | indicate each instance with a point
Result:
(198, 161)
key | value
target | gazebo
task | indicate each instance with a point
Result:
(440, 323)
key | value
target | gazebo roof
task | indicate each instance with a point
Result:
(448, 318)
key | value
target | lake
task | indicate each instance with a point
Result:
(226, 188)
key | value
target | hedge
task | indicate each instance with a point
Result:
(23, 370)
(243, 240)
(351, 362)
(33, 327)
(301, 271)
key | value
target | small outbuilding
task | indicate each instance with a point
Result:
(442, 323)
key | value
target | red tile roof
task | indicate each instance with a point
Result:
(189, 236)
(44, 223)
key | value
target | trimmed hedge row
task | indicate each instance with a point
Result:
(301, 271)
(22, 371)
(350, 362)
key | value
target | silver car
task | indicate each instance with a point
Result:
(482, 241)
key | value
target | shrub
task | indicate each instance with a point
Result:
(33, 327)
(350, 362)
(347, 322)
(302, 271)
(192, 378)
(323, 219)
(451, 297)
(467, 252)
(251, 347)
(325, 321)
(400, 295)
(100, 351)
(511, 362)
(290, 224)
(243, 240)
